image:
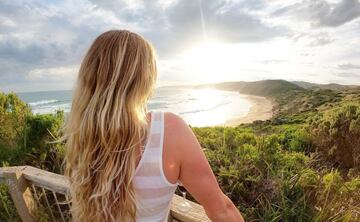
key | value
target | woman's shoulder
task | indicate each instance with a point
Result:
(174, 122)
(177, 131)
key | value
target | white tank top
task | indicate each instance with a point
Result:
(152, 190)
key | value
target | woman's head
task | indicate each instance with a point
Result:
(107, 124)
(119, 65)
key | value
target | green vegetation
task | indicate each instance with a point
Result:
(332, 86)
(278, 174)
(24, 140)
(302, 165)
(259, 88)
(24, 137)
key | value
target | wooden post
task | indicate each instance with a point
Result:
(170, 217)
(20, 194)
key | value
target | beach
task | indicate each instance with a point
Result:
(198, 107)
(261, 109)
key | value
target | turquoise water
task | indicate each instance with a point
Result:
(199, 107)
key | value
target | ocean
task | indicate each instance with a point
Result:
(198, 107)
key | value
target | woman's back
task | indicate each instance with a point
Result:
(173, 156)
(153, 191)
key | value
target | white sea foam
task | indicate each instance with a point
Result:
(51, 108)
(42, 102)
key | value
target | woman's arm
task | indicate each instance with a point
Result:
(198, 178)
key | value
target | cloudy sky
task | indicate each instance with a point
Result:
(42, 42)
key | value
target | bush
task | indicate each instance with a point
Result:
(337, 200)
(40, 152)
(298, 140)
(25, 140)
(336, 135)
(13, 116)
(271, 177)
(7, 208)
(257, 173)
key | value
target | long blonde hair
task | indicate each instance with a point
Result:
(106, 125)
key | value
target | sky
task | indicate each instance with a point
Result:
(42, 42)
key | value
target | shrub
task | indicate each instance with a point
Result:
(337, 200)
(336, 135)
(13, 115)
(7, 208)
(42, 131)
(298, 140)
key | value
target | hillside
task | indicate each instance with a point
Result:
(331, 86)
(293, 97)
(259, 88)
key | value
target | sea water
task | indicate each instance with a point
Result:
(198, 107)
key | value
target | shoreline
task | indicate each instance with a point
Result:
(261, 109)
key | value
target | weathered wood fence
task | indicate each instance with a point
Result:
(32, 189)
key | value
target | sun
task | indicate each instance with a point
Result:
(220, 61)
(210, 60)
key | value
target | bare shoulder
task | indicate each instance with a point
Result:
(174, 120)
(175, 124)
(180, 134)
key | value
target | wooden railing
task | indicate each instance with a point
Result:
(32, 189)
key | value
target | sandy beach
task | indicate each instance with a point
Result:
(261, 109)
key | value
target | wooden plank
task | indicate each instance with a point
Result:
(6, 170)
(21, 195)
(51, 181)
(195, 213)
(41, 178)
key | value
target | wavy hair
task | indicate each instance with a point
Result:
(107, 125)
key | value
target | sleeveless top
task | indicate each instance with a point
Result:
(153, 192)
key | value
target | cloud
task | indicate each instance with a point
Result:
(53, 74)
(347, 66)
(305, 54)
(343, 12)
(42, 35)
(184, 23)
(49, 35)
(271, 61)
(348, 75)
(313, 39)
(320, 39)
(41, 41)
(322, 13)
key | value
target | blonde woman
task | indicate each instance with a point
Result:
(123, 162)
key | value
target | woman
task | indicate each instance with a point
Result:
(113, 175)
